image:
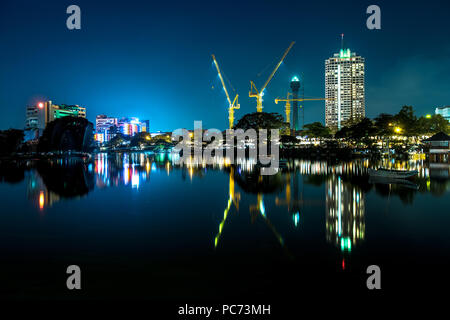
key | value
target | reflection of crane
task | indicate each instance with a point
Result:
(231, 105)
(255, 211)
(259, 94)
(289, 100)
(259, 209)
(234, 198)
(294, 205)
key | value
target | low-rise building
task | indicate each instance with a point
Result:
(108, 127)
(443, 111)
(439, 148)
(39, 115)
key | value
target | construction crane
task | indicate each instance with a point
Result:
(289, 100)
(254, 93)
(231, 105)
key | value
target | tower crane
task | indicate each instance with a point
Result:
(231, 105)
(254, 93)
(289, 100)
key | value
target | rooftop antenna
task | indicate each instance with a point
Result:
(342, 41)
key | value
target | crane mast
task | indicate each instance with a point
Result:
(259, 94)
(231, 105)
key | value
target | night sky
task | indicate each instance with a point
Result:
(152, 59)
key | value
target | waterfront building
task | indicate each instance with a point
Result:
(108, 127)
(39, 115)
(104, 128)
(344, 88)
(439, 148)
(443, 111)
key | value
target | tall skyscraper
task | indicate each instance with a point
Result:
(344, 86)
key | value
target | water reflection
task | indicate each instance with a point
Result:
(345, 211)
(266, 198)
(233, 199)
(51, 181)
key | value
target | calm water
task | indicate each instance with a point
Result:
(140, 227)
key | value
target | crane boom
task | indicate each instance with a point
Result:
(221, 80)
(299, 99)
(278, 65)
(258, 94)
(288, 104)
(231, 105)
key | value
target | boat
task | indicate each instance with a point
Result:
(401, 182)
(393, 174)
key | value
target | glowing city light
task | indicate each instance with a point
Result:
(41, 200)
(40, 105)
(296, 219)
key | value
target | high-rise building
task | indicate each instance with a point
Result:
(443, 111)
(344, 88)
(38, 116)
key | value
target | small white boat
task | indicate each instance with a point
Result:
(392, 174)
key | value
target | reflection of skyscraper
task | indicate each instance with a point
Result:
(345, 225)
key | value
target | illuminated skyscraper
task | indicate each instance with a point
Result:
(344, 86)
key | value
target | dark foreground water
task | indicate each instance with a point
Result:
(141, 228)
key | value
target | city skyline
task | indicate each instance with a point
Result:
(156, 68)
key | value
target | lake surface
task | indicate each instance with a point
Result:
(140, 227)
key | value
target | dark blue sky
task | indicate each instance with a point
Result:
(152, 59)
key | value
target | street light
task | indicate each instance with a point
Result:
(398, 129)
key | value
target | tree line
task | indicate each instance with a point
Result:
(404, 123)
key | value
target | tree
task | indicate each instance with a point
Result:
(261, 120)
(10, 140)
(140, 138)
(406, 120)
(117, 141)
(431, 125)
(362, 129)
(360, 132)
(383, 124)
(67, 134)
(316, 130)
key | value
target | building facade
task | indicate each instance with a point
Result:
(443, 111)
(108, 127)
(38, 116)
(344, 89)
